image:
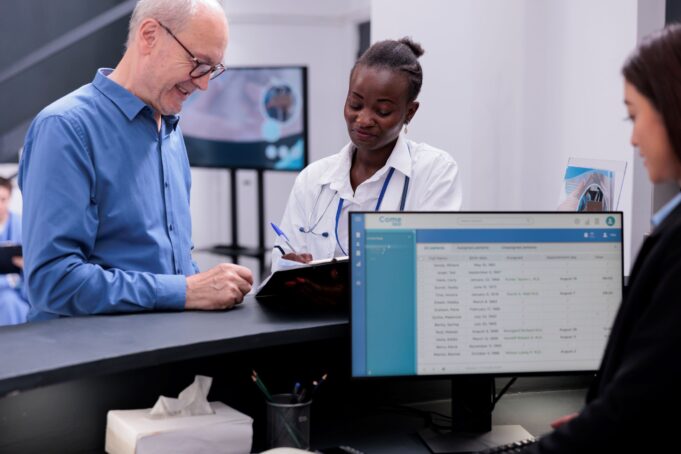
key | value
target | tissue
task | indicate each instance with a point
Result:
(188, 424)
(192, 401)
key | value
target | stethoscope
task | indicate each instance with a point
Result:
(341, 201)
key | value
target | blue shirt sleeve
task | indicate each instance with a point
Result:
(61, 221)
(195, 265)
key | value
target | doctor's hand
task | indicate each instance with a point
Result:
(219, 288)
(303, 257)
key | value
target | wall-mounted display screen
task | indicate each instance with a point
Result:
(253, 118)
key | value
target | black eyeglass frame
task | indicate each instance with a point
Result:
(214, 71)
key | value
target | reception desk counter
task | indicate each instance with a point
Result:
(50, 352)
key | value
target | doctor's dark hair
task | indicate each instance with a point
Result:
(654, 68)
(400, 56)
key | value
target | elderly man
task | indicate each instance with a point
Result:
(106, 180)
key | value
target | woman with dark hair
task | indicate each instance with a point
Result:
(631, 403)
(380, 169)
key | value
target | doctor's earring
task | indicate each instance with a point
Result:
(405, 127)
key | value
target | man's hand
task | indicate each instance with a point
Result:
(220, 287)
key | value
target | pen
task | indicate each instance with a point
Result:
(295, 396)
(301, 396)
(261, 385)
(278, 231)
(317, 384)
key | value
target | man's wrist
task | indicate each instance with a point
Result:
(171, 292)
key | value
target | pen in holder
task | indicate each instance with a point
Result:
(288, 415)
(288, 422)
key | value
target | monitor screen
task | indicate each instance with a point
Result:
(253, 118)
(483, 293)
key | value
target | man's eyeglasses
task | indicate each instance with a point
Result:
(200, 68)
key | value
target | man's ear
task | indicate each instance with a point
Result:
(148, 35)
(411, 110)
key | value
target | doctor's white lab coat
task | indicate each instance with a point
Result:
(310, 217)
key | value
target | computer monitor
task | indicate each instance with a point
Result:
(249, 118)
(474, 295)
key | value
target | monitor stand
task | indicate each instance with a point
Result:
(472, 430)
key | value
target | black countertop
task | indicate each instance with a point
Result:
(49, 352)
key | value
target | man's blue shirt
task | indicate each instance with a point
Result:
(106, 219)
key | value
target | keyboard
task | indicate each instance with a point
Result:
(511, 447)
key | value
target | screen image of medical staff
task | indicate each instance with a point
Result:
(478, 293)
(248, 118)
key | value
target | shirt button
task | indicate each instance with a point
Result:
(166, 184)
(170, 227)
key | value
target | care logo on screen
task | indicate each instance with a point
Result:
(394, 221)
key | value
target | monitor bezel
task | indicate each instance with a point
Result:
(448, 376)
(305, 110)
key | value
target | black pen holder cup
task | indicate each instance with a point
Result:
(288, 422)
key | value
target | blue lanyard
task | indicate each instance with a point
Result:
(403, 200)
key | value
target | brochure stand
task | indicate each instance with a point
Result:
(592, 185)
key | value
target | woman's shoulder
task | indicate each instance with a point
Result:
(317, 169)
(425, 154)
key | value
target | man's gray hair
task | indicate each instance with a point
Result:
(174, 14)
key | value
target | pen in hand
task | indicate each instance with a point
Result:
(283, 236)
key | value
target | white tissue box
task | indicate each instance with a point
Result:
(136, 432)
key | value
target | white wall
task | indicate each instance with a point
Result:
(321, 35)
(646, 198)
(513, 88)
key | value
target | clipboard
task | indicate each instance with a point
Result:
(275, 291)
(7, 251)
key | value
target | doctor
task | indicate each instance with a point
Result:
(379, 170)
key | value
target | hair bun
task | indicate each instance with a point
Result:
(414, 46)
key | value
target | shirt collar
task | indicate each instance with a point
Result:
(127, 102)
(400, 159)
(663, 212)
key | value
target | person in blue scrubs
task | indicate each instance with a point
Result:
(105, 178)
(13, 304)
